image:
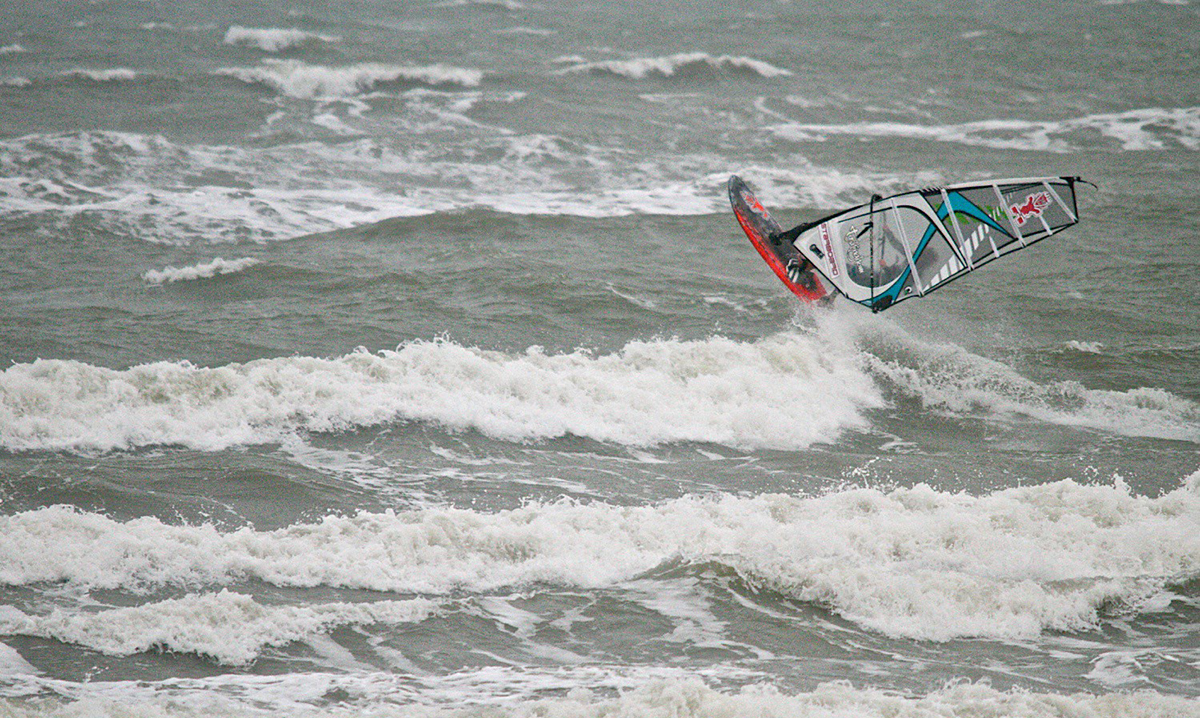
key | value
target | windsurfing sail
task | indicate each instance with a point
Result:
(908, 245)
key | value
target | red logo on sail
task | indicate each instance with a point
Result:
(1034, 205)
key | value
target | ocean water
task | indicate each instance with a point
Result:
(405, 359)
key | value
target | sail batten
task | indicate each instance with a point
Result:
(904, 246)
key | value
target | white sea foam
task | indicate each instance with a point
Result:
(198, 271)
(301, 80)
(131, 184)
(742, 304)
(945, 377)
(273, 39)
(231, 628)
(116, 74)
(1144, 129)
(909, 562)
(72, 174)
(1085, 347)
(808, 185)
(522, 30)
(510, 5)
(785, 391)
(580, 692)
(669, 65)
(642, 302)
(1125, 668)
(11, 662)
(13, 49)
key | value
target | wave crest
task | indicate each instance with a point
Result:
(910, 562)
(945, 377)
(231, 628)
(272, 39)
(204, 270)
(669, 65)
(115, 74)
(1151, 128)
(786, 391)
(582, 691)
(294, 78)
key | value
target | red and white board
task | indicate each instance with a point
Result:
(756, 222)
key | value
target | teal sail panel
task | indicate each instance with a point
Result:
(907, 245)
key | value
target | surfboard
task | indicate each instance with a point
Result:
(759, 227)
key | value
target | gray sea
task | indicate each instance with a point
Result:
(405, 359)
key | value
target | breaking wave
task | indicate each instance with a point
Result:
(581, 692)
(152, 188)
(760, 394)
(294, 78)
(944, 377)
(273, 39)
(115, 74)
(1136, 130)
(787, 391)
(231, 628)
(206, 270)
(908, 562)
(669, 65)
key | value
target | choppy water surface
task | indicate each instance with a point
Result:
(405, 359)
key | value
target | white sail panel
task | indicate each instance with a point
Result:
(894, 248)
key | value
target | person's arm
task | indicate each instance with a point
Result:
(790, 235)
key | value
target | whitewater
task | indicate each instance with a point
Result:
(914, 562)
